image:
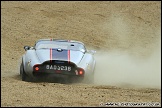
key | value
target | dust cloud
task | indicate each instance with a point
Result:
(120, 69)
(137, 66)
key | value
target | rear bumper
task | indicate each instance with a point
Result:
(57, 76)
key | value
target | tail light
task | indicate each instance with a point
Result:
(80, 71)
(36, 67)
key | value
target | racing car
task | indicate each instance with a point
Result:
(58, 60)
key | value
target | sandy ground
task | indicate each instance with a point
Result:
(126, 36)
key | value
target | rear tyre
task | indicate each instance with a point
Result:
(23, 75)
(91, 79)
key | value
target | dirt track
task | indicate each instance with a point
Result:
(131, 27)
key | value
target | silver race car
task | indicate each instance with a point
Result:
(57, 60)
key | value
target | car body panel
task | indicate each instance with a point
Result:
(53, 54)
(72, 51)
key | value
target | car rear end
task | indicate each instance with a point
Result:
(56, 69)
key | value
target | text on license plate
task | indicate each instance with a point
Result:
(56, 67)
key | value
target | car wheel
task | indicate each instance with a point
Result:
(23, 75)
(91, 79)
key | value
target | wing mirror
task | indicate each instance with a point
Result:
(83, 50)
(26, 48)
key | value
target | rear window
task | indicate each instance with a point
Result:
(62, 45)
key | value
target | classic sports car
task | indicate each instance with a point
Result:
(58, 60)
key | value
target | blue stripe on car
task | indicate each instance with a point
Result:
(60, 55)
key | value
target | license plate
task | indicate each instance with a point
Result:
(58, 67)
